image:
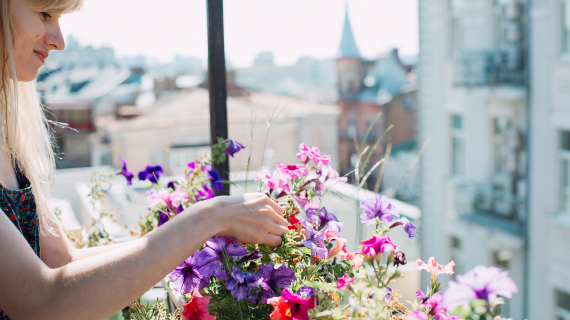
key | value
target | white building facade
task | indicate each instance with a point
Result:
(494, 98)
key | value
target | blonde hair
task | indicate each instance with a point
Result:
(23, 125)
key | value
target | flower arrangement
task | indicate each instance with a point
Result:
(312, 274)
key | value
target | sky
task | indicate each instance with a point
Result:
(289, 28)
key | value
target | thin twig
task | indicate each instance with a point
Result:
(381, 175)
(369, 172)
(250, 147)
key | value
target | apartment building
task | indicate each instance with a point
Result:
(494, 98)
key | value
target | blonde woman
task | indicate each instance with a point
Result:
(42, 276)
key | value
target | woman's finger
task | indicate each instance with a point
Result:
(272, 240)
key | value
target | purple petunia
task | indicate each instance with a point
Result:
(209, 260)
(315, 241)
(151, 173)
(233, 147)
(275, 278)
(378, 207)
(162, 218)
(407, 225)
(127, 174)
(214, 177)
(486, 283)
(324, 219)
(186, 276)
(241, 283)
(172, 184)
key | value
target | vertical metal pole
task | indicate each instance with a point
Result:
(217, 83)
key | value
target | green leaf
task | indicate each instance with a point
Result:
(321, 286)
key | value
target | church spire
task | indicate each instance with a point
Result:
(348, 46)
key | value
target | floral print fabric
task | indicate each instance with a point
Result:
(20, 207)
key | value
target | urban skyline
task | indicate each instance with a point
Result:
(378, 27)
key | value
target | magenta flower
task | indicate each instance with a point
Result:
(486, 283)
(233, 147)
(417, 315)
(315, 240)
(208, 261)
(379, 206)
(185, 278)
(241, 283)
(377, 245)
(275, 278)
(192, 165)
(435, 308)
(305, 154)
(420, 294)
(344, 282)
(151, 173)
(324, 219)
(407, 225)
(293, 170)
(127, 174)
(205, 194)
(299, 306)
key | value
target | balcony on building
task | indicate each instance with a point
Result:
(489, 68)
(489, 204)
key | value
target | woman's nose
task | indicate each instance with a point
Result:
(54, 38)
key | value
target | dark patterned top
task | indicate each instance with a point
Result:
(20, 207)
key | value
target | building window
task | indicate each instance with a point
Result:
(505, 142)
(562, 305)
(566, 26)
(351, 130)
(457, 146)
(455, 27)
(455, 255)
(565, 171)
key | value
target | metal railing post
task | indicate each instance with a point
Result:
(217, 83)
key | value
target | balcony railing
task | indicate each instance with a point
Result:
(490, 68)
(490, 206)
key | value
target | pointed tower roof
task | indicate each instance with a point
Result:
(348, 46)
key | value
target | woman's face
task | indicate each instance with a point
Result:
(36, 33)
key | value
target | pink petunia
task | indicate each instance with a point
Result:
(263, 175)
(299, 306)
(344, 282)
(197, 307)
(171, 200)
(434, 268)
(417, 315)
(339, 246)
(305, 154)
(333, 174)
(377, 245)
(293, 170)
(357, 261)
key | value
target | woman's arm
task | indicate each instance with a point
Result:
(98, 286)
(58, 250)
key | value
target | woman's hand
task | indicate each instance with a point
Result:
(250, 218)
